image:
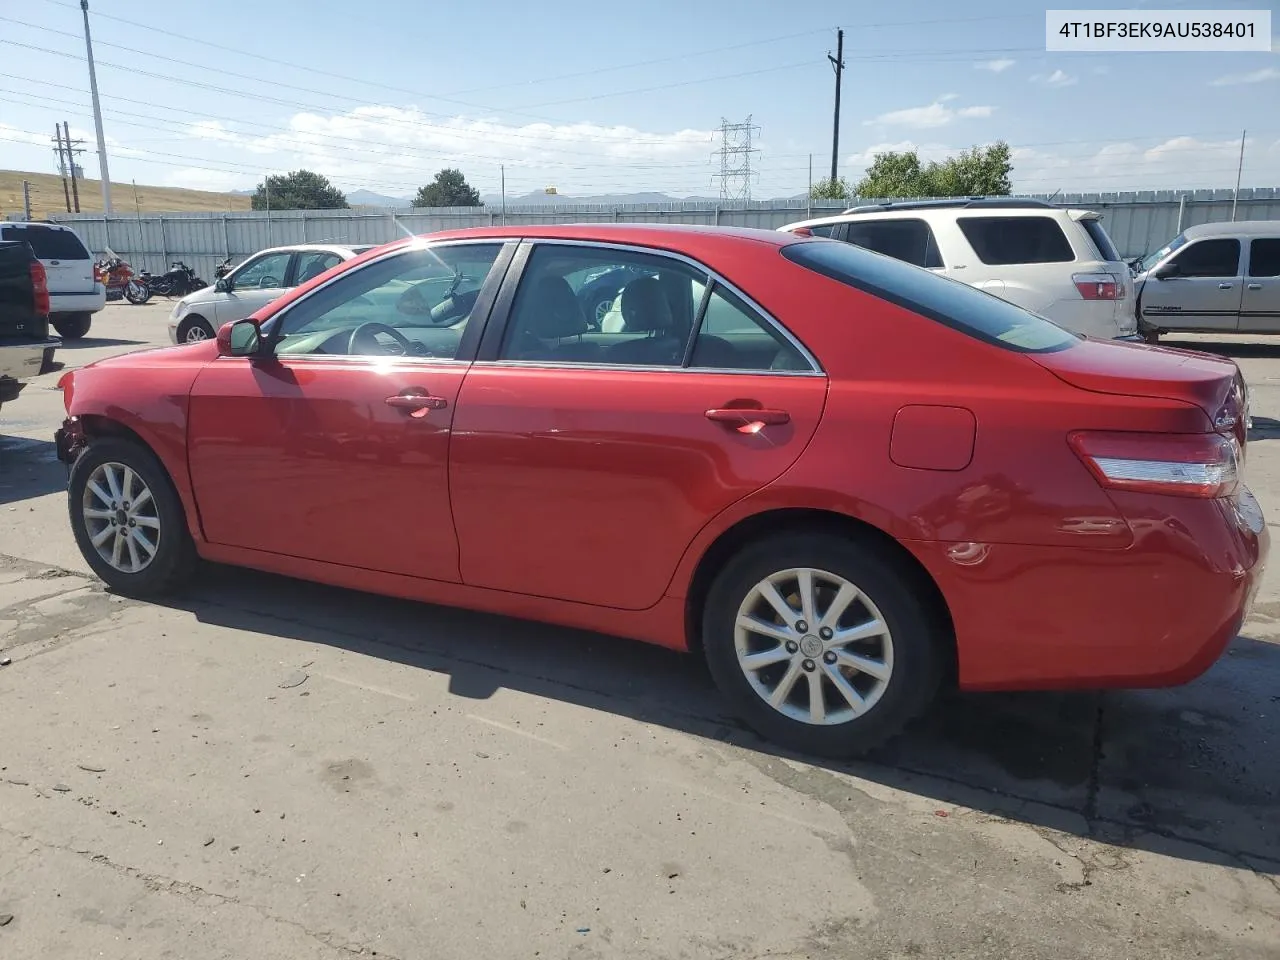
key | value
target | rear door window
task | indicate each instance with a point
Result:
(1106, 249)
(49, 243)
(949, 302)
(1209, 258)
(909, 240)
(1000, 241)
(1264, 258)
(834, 230)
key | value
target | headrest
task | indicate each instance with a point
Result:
(645, 307)
(553, 310)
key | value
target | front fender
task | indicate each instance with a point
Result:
(145, 394)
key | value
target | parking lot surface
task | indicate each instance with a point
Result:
(264, 768)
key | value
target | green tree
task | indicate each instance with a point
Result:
(828, 189)
(448, 189)
(298, 190)
(979, 171)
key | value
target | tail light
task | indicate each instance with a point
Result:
(1099, 286)
(801, 231)
(40, 287)
(1233, 418)
(1204, 465)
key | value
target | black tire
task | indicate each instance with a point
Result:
(195, 324)
(47, 363)
(1149, 334)
(175, 556)
(72, 326)
(918, 640)
(137, 292)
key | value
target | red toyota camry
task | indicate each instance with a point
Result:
(842, 479)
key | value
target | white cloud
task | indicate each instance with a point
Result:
(1058, 78)
(10, 134)
(392, 148)
(995, 66)
(936, 114)
(1256, 76)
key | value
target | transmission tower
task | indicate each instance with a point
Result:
(735, 159)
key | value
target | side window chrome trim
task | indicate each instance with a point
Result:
(276, 318)
(357, 359)
(714, 277)
(638, 368)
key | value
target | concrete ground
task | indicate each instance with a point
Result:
(261, 768)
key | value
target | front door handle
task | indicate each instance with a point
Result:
(1255, 286)
(748, 419)
(416, 402)
(1224, 286)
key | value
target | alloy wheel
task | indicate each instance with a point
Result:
(813, 646)
(121, 517)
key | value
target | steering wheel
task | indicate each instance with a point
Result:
(371, 329)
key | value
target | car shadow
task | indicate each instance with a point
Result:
(1235, 349)
(1264, 428)
(29, 468)
(93, 343)
(1188, 772)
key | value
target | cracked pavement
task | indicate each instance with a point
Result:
(269, 769)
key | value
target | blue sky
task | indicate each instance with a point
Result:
(597, 97)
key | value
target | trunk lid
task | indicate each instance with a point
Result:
(1140, 370)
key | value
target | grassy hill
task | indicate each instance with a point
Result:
(47, 197)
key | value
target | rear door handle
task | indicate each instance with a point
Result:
(1224, 286)
(748, 419)
(414, 402)
(1255, 286)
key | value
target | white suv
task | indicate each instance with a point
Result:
(1055, 262)
(75, 292)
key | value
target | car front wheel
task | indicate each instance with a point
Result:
(127, 519)
(195, 329)
(823, 644)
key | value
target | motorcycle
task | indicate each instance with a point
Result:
(222, 269)
(177, 281)
(115, 273)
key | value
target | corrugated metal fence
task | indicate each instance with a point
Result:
(1137, 222)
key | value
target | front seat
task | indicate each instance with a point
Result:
(645, 309)
(550, 316)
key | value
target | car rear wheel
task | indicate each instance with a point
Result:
(72, 326)
(127, 519)
(823, 644)
(195, 329)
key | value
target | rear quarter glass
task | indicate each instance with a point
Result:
(948, 302)
(49, 243)
(1101, 240)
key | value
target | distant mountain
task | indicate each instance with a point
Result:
(540, 199)
(367, 198)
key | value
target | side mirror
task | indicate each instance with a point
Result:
(1166, 271)
(222, 285)
(242, 338)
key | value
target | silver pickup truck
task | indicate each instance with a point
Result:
(25, 345)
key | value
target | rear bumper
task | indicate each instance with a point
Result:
(78, 302)
(1158, 613)
(22, 359)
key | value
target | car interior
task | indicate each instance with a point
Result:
(650, 323)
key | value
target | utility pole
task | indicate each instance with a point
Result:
(808, 197)
(71, 157)
(1235, 198)
(62, 164)
(502, 172)
(26, 200)
(97, 113)
(837, 64)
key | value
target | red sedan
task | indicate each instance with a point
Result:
(842, 479)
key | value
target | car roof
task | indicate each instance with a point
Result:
(937, 211)
(320, 247)
(1239, 228)
(35, 223)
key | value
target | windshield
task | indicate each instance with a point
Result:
(1152, 259)
(949, 302)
